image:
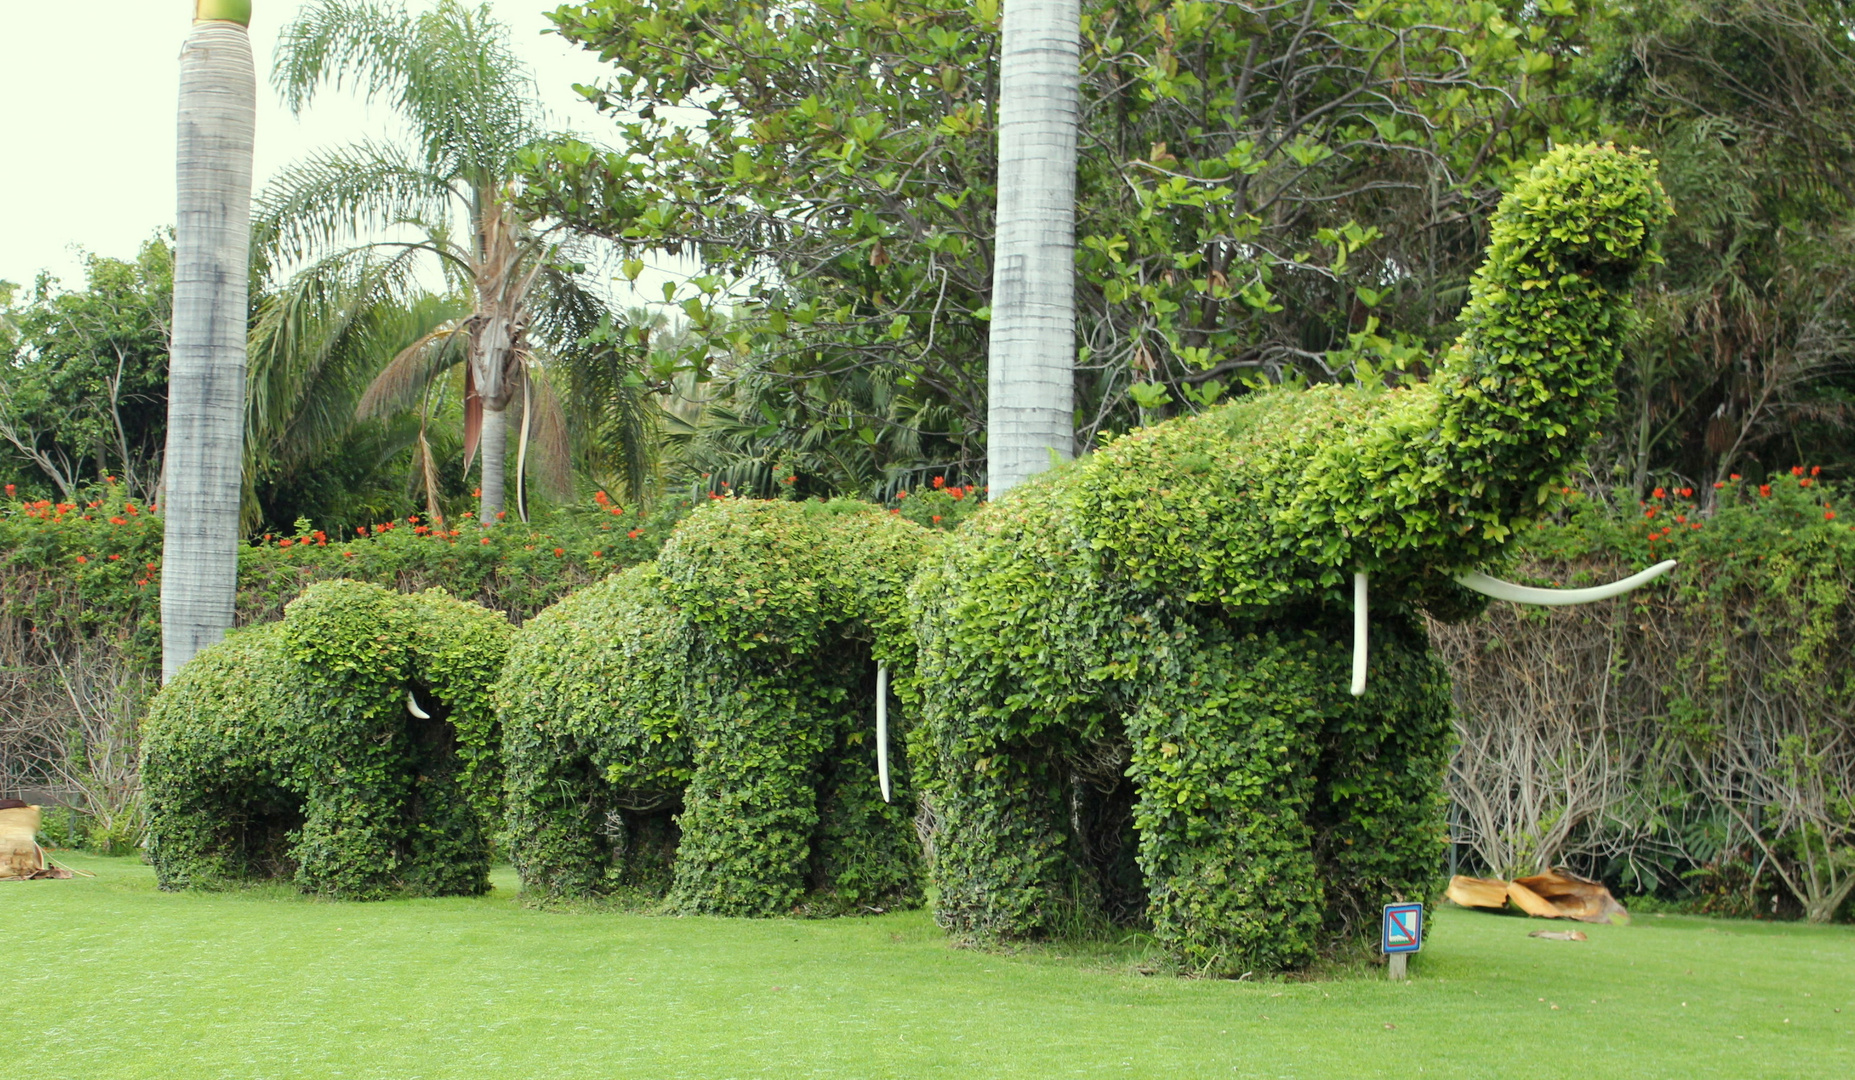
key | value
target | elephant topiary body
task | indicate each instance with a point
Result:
(699, 729)
(288, 749)
(1152, 644)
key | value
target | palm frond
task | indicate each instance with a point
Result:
(337, 195)
(400, 384)
(449, 71)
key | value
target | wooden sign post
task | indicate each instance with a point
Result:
(1400, 935)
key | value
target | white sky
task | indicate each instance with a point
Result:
(88, 94)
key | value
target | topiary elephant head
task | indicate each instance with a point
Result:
(1153, 717)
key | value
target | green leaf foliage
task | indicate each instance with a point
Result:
(1163, 623)
(702, 728)
(289, 749)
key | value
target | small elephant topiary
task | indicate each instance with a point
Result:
(350, 747)
(698, 729)
(1155, 714)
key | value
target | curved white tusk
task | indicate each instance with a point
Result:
(412, 706)
(882, 728)
(1526, 594)
(1359, 632)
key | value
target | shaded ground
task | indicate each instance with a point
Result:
(112, 979)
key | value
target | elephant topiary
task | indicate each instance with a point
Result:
(350, 746)
(698, 729)
(1154, 713)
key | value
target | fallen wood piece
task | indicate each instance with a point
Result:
(1559, 935)
(1478, 892)
(1572, 897)
(20, 856)
(1555, 894)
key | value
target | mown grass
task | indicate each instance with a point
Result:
(108, 978)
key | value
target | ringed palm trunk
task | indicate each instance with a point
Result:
(1031, 363)
(206, 369)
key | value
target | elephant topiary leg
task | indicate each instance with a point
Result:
(751, 808)
(866, 852)
(1223, 753)
(1379, 810)
(1002, 863)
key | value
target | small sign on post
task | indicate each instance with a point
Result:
(1400, 935)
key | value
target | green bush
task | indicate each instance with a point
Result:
(1148, 649)
(289, 748)
(703, 727)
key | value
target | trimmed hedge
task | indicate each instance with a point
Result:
(702, 728)
(1151, 644)
(288, 749)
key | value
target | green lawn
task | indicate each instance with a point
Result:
(111, 979)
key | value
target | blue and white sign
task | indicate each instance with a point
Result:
(1402, 930)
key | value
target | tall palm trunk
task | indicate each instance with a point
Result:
(498, 340)
(206, 369)
(1031, 366)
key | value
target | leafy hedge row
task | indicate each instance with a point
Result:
(703, 726)
(291, 745)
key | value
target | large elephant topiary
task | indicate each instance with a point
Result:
(350, 746)
(1155, 711)
(700, 727)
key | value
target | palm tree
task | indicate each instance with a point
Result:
(1031, 362)
(471, 109)
(206, 372)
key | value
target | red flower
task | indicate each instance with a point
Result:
(559, 552)
(602, 498)
(1764, 489)
(1796, 470)
(485, 541)
(1718, 484)
(1735, 476)
(792, 479)
(1660, 494)
(81, 560)
(598, 554)
(118, 521)
(1829, 515)
(412, 518)
(347, 554)
(151, 568)
(360, 530)
(285, 543)
(937, 519)
(901, 494)
(500, 514)
(1681, 519)
(957, 493)
(1803, 483)
(1649, 513)
(634, 534)
(10, 489)
(477, 494)
(1816, 470)
(1687, 493)
(113, 558)
(1696, 525)
(940, 482)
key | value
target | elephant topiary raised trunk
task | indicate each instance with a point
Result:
(1151, 645)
